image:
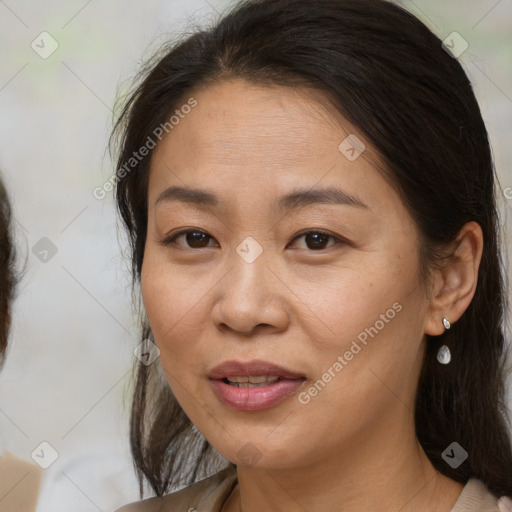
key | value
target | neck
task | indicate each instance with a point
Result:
(386, 470)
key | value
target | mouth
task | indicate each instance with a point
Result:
(255, 385)
(251, 382)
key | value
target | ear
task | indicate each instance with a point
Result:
(453, 285)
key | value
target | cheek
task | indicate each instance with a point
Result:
(164, 307)
(372, 318)
(174, 302)
(158, 301)
(345, 303)
(170, 310)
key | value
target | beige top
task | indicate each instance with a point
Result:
(210, 494)
(20, 481)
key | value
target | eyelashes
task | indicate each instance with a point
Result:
(317, 238)
(171, 240)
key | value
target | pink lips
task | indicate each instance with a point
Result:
(253, 398)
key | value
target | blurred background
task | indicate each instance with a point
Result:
(67, 380)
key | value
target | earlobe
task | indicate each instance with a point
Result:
(454, 284)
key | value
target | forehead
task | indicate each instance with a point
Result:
(236, 120)
(242, 138)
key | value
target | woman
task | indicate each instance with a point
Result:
(20, 480)
(308, 190)
(7, 271)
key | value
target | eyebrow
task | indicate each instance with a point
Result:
(292, 201)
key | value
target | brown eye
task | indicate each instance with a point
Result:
(317, 240)
(194, 239)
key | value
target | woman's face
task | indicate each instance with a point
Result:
(303, 257)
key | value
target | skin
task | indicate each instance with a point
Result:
(352, 447)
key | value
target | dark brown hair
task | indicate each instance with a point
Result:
(7, 272)
(388, 74)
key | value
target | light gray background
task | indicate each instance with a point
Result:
(67, 380)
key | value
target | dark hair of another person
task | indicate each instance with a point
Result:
(7, 272)
(388, 74)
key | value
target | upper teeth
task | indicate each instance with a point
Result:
(253, 379)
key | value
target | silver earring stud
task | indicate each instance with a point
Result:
(446, 323)
(444, 356)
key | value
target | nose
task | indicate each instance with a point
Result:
(250, 298)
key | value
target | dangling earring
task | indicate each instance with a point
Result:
(444, 355)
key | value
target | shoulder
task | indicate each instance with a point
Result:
(476, 497)
(20, 482)
(209, 494)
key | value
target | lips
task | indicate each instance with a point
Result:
(252, 369)
(254, 385)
